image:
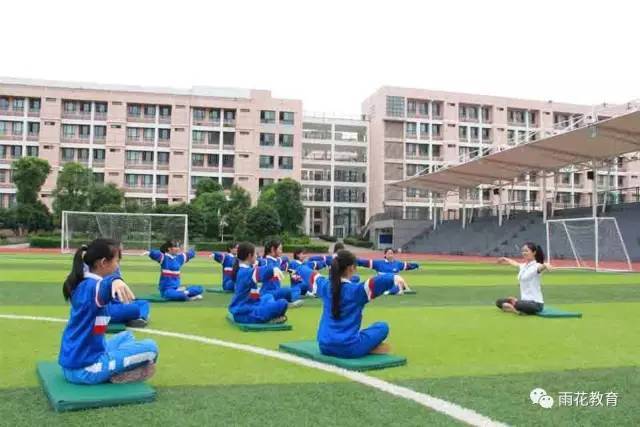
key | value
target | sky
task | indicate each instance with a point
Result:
(333, 54)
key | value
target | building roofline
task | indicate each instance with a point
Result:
(209, 91)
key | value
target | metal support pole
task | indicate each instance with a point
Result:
(544, 196)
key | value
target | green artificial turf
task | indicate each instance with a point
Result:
(461, 348)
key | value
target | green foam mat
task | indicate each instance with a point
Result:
(218, 290)
(65, 396)
(409, 292)
(114, 328)
(310, 350)
(258, 327)
(553, 312)
(152, 298)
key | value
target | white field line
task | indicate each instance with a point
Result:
(453, 410)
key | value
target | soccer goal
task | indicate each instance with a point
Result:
(590, 243)
(138, 232)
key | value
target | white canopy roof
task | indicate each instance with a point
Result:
(598, 141)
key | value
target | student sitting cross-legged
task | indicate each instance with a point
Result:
(388, 265)
(248, 305)
(343, 301)
(85, 356)
(171, 260)
(529, 276)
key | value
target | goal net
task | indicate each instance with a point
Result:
(591, 243)
(137, 232)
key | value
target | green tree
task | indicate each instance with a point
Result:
(207, 185)
(29, 173)
(210, 206)
(196, 221)
(262, 221)
(268, 196)
(31, 217)
(287, 201)
(73, 189)
(103, 195)
(235, 212)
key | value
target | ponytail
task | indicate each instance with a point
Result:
(89, 254)
(537, 251)
(341, 261)
(236, 267)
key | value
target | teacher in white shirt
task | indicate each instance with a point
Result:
(531, 301)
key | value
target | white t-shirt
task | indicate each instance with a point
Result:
(530, 283)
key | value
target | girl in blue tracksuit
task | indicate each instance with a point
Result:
(296, 281)
(171, 260)
(227, 260)
(247, 304)
(273, 258)
(85, 356)
(326, 261)
(388, 265)
(339, 333)
(134, 314)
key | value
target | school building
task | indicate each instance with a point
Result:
(157, 143)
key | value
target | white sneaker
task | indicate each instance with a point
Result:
(296, 304)
(196, 297)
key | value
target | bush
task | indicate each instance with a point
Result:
(328, 238)
(354, 241)
(53, 241)
(44, 241)
(222, 246)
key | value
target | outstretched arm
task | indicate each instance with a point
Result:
(156, 255)
(410, 266)
(366, 263)
(504, 260)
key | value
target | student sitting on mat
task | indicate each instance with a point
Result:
(300, 259)
(171, 260)
(247, 304)
(328, 259)
(227, 260)
(85, 356)
(339, 333)
(273, 258)
(134, 314)
(388, 265)
(531, 270)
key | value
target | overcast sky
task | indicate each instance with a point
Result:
(333, 54)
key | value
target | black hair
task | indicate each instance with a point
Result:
(168, 245)
(341, 261)
(297, 254)
(245, 249)
(537, 251)
(89, 254)
(231, 245)
(271, 245)
(338, 247)
(387, 250)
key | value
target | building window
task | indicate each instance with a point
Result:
(99, 132)
(267, 139)
(133, 110)
(395, 106)
(32, 151)
(69, 107)
(263, 182)
(266, 162)
(267, 117)
(165, 111)
(285, 162)
(83, 154)
(198, 113)
(227, 160)
(411, 130)
(149, 134)
(197, 160)
(34, 128)
(34, 105)
(98, 177)
(68, 131)
(164, 134)
(101, 107)
(228, 138)
(84, 131)
(17, 128)
(227, 183)
(213, 160)
(133, 133)
(162, 180)
(163, 158)
(68, 154)
(98, 155)
(286, 117)
(286, 140)
(150, 110)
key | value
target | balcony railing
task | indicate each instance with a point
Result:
(163, 142)
(229, 123)
(412, 135)
(165, 119)
(98, 163)
(468, 119)
(140, 118)
(100, 116)
(80, 139)
(162, 189)
(32, 136)
(76, 115)
(139, 188)
(11, 136)
(11, 112)
(99, 139)
(163, 166)
(313, 134)
(34, 113)
(138, 164)
(206, 121)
